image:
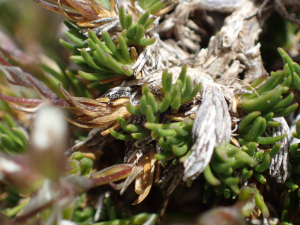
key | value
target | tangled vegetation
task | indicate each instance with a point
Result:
(145, 109)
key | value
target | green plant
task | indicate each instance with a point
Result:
(124, 90)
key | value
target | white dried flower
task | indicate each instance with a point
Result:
(49, 141)
(212, 127)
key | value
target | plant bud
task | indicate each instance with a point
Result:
(49, 141)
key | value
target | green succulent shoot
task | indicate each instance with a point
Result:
(268, 100)
(12, 139)
(109, 59)
(134, 33)
(173, 138)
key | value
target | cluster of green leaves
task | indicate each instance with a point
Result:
(12, 139)
(109, 215)
(74, 34)
(285, 218)
(83, 214)
(271, 103)
(134, 33)
(251, 129)
(111, 212)
(293, 69)
(292, 194)
(174, 96)
(101, 61)
(254, 125)
(68, 80)
(106, 59)
(153, 6)
(268, 100)
(12, 201)
(264, 103)
(291, 197)
(219, 173)
(173, 138)
(79, 165)
(294, 153)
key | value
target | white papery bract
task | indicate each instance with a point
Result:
(49, 141)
